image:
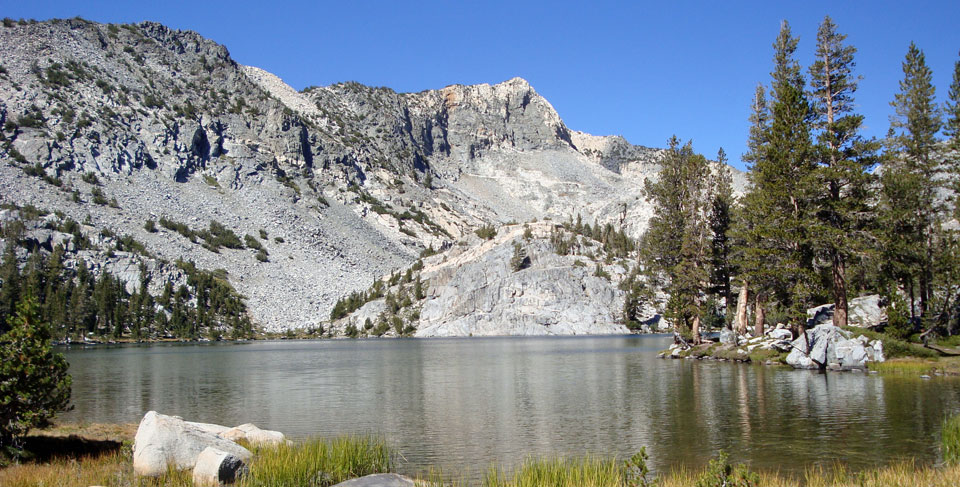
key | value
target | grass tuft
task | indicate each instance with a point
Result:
(950, 440)
(317, 462)
(588, 471)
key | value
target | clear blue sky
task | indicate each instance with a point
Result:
(644, 71)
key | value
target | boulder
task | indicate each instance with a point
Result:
(169, 441)
(216, 467)
(256, 436)
(864, 312)
(835, 348)
(379, 480)
(780, 334)
(728, 336)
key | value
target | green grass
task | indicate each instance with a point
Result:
(892, 347)
(317, 462)
(561, 472)
(918, 366)
(950, 440)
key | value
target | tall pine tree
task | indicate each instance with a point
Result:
(910, 212)
(778, 256)
(842, 178)
(676, 246)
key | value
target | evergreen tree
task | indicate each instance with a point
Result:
(720, 229)
(9, 285)
(676, 245)
(35, 384)
(778, 258)
(844, 157)
(951, 126)
(747, 255)
(910, 212)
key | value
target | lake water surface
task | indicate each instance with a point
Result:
(464, 404)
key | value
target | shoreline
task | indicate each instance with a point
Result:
(99, 454)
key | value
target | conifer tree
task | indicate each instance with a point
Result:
(676, 245)
(10, 288)
(844, 157)
(720, 229)
(910, 212)
(951, 126)
(747, 254)
(778, 258)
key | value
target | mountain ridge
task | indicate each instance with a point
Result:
(349, 182)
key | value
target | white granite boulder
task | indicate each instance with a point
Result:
(832, 347)
(256, 436)
(168, 441)
(215, 467)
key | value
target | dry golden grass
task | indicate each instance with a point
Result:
(90, 431)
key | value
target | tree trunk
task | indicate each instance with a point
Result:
(696, 330)
(742, 303)
(839, 290)
(759, 316)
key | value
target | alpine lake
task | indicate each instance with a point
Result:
(466, 404)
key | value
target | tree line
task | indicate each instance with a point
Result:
(78, 303)
(828, 212)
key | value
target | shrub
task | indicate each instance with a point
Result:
(91, 178)
(252, 242)
(34, 384)
(352, 331)
(520, 259)
(150, 226)
(720, 473)
(486, 232)
(98, 196)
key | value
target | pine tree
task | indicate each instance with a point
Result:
(951, 126)
(777, 257)
(676, 246)
(720, 230)
(844, 157)
(34, 377)
(910, 213)
(9, 285)
(747, 255)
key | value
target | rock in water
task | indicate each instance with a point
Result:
(379, 480)
(169, 441)
(215, 467)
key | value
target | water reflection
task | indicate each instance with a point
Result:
(463, 404)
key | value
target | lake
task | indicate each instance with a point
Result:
(464, 404)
